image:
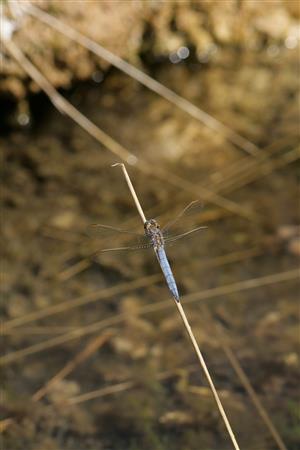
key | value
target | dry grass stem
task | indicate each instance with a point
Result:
(116, 388)
(89, 349)
(80, 301)
(125, 385)
(36, 330)
(252, 394)
(191, 334)
(223, 341)
(75, 269)
(207, 375)
(260, 170)
(243, 165)
(132, 191)
(117, 149)
(254, 165)
(252, 283)
(206, 217)
(144, 79)
(9, 326)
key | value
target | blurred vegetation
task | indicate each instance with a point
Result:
(144, 29)
(242, 67)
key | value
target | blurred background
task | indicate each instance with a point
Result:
(95, 356)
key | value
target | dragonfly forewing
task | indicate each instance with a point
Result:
(128, 240)
(100, 230)
(191, 211)
(129, 248)
(118, 239)
(170, 239)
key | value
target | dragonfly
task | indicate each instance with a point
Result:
(157, 238)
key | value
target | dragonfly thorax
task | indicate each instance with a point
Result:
(152, 230)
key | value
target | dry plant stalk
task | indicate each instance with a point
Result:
(65, 107)
(187, 326)
(135, 73)
(221, 335)
(88, 350)
(78, 332)
(124, 386)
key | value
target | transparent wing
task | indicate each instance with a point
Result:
(122, 249)
(128, 240)
(101, 230)
(186, 216)
(190, 233)
(184, 225)
(121, 240)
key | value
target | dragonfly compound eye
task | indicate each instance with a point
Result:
(153, 223)
(147, 225)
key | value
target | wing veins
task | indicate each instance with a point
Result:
(172, 222)
(119, 230)
(179, 236)
(117, 249)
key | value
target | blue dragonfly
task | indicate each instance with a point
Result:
(157, 238)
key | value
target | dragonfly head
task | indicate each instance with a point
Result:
(151, 225)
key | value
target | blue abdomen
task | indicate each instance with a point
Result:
(165, 267)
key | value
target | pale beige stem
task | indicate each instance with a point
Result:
(133, 193)
(252, 394)
(68, 368)
(207, 374)
(123, 386)
(101, 392)
(187, 326)
(220, 332)
(175, 99)
(253, 283)
(83, 300)
(117, 149)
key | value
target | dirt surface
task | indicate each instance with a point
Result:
(135, 29)
(66, 308)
